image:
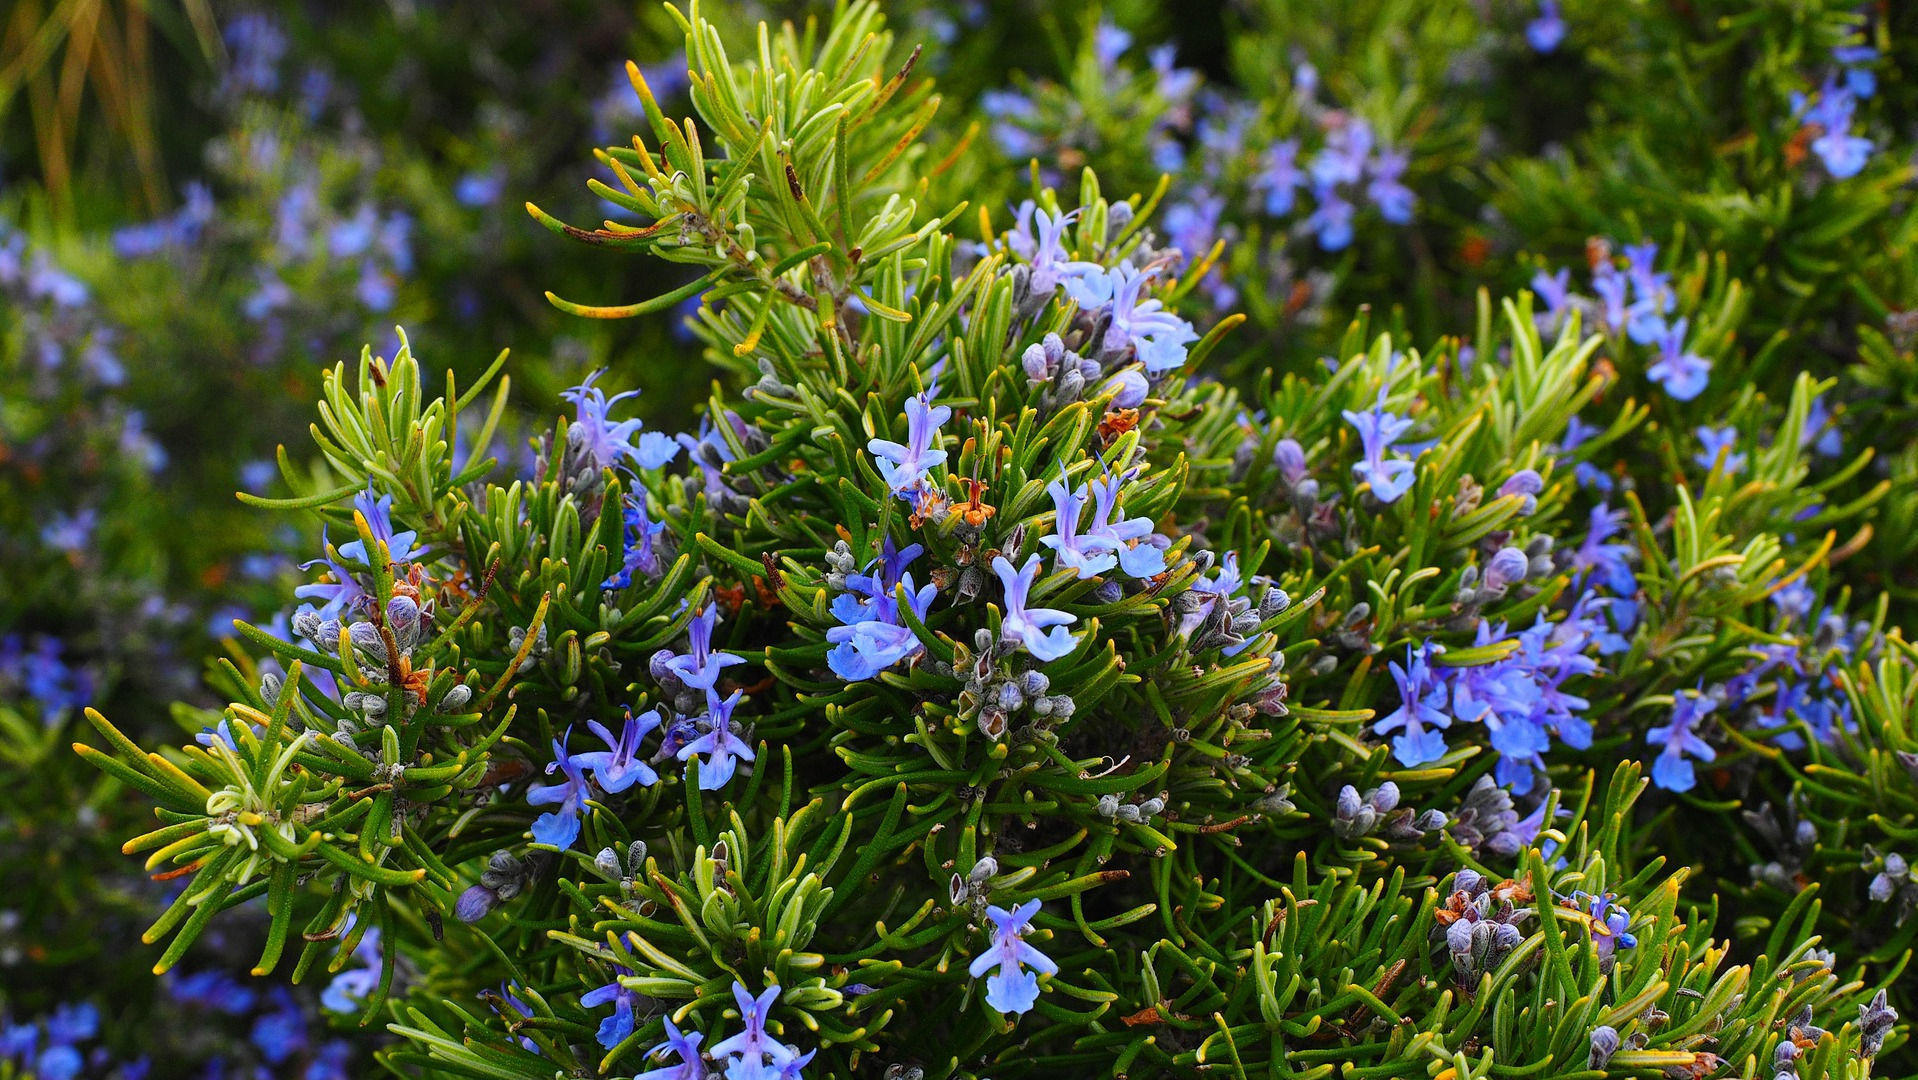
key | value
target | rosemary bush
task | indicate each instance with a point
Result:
(1059, 644)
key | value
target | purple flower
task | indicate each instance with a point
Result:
(1130, 538)
(1718, 444)
(723, 749)
(620, 768)
(1421, 713)
(699, 667)
(1378, 430)
(1682, 374)
(560, 826)
(1155, 334)
(904, 467)
(607, 444)
(755, 1052)
(615, 1028)
(1678, 742)
(1012, 989)
(1545, 32)
(691, 1065)
(1042, 631)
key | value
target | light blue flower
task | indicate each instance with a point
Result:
(1041, 631)
(1012, 988)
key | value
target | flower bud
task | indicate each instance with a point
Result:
(1128, 389)
(474, 904)
(1604, 1045)
(1506, 568)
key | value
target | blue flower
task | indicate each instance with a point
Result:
(1678, 742)
(477, 189)
(1012, 988)
(904, 466)
(1860, 80)
(353, 985)
(620, 768)
(615, 1028)
(1038, 236)
(213, 989)
(1386, 191)
(691, 1066)
(723, 749)
(560, 826)
(73, 1023)
(1651, 291)
(1820, 431)
(754, 1051)
(1342, 160)
(640, 554)
(1109, 42)
(1280, 177)
(1042, 631)
(59, 1062)
(1157, 336)
(1683, 375)
(607, 444)
(1608, 923)
(1331, 218)
(377, 509)
(1545, 32)
(699, 667)
(1844, 154)
(712, 453)
(1087, 556)
(875, 635)
(1718, 450)
(1421, 714)
(331, 1061)
(1378, 430)
(281, 1033)
(1131, 538)
(1603, 562)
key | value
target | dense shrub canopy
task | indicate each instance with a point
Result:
(1379, 550)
